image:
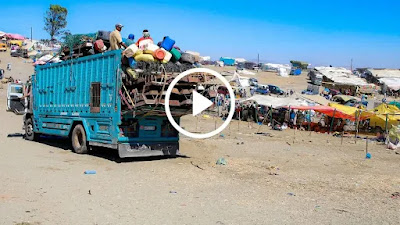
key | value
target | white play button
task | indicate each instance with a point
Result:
(200, 103)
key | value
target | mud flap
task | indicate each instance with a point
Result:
(143, 150)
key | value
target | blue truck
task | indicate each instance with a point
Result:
(80, 99)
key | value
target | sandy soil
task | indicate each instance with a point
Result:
(284, 178)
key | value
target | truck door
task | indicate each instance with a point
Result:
(15, 102)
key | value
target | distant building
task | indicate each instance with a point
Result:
(227, 61)
(240, 60)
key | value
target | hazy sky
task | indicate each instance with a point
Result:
(319, 32)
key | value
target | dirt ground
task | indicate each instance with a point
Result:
(278, 178)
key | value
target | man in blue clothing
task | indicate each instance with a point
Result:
(130, 40)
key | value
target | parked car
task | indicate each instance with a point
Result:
(275, 90)
(240, 66)
(253, 82)
(251, 66)
(262, 89)
(3, 47)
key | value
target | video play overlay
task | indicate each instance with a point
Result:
(213, 97)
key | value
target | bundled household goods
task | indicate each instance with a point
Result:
(147, 70)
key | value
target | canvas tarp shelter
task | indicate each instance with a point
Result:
(397, 104)
(337, 111)
(276, 102)
(352, 111)
(384, 73)
(344, 98)
(391, 82)
(379, 118)
(318, 99)
(341, 76)
(240, 81)
(15, 36)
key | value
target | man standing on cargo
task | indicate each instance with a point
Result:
(146, 36)
(116, 39)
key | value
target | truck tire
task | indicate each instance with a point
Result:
(79, 141)
(29, 133)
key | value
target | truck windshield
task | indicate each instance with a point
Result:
(16, 89)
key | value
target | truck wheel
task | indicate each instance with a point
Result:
(29, 133)
(78, 139)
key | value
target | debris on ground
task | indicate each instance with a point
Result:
(395, 195)
(265, 134)
(221, 161)
(341, 210)
(15, 135)
(173, 192)
(196, 165)
(291, 194)
(90, 172)
(368, 155)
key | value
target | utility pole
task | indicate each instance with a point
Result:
(31, 34)
(258, 58)
(351, 65)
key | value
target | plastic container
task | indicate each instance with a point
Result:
(159, 54)
(99, 45)
(132, 62)
(139, 52)
(143, 44)
(144, 57)
(167, 43)
(176, 55)
(148, 52)
(167, 57)
(186, 57)
(131, 72)
(151, 47)
(131, 50)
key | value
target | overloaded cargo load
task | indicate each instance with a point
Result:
(146, 71)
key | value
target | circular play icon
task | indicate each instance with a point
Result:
(200, 103)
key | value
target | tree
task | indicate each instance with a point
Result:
(55, 20)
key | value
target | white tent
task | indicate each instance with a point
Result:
(341, 76)
(240, 81)
(2, 33)
(392, 82)
(277, 102)
(240, 60)
(205, 58)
